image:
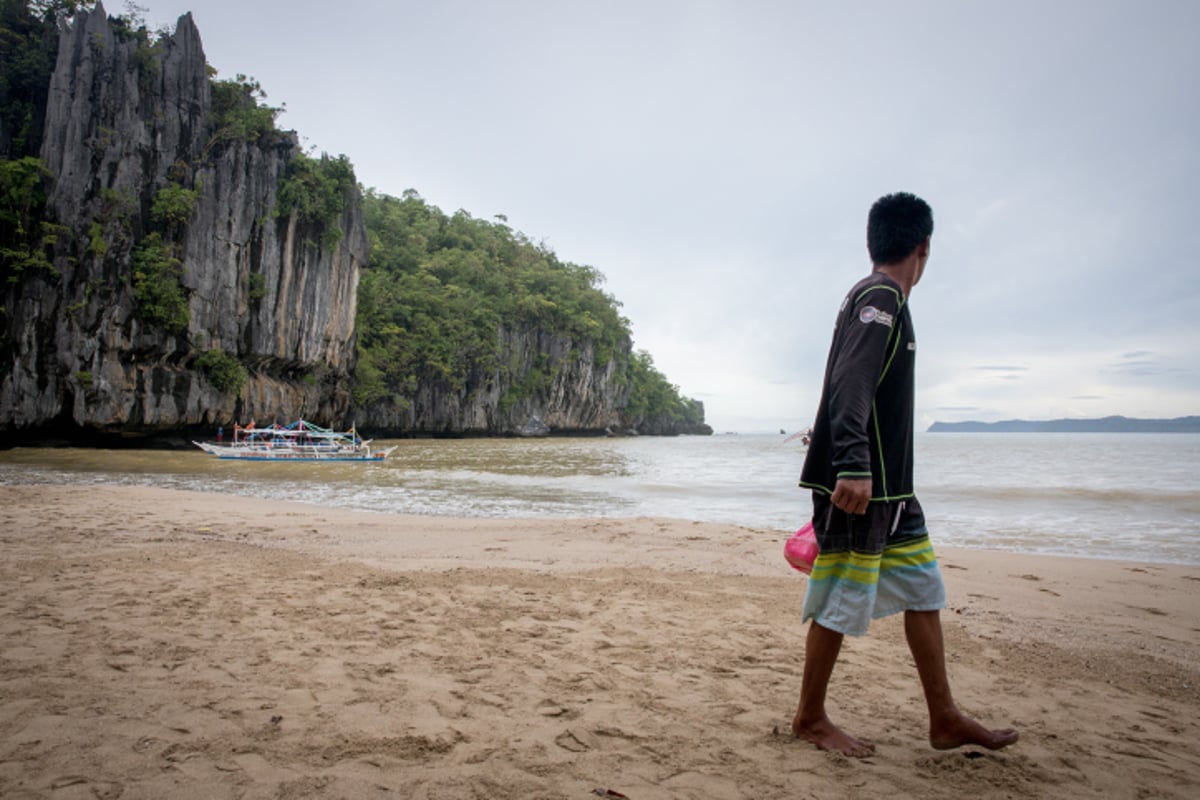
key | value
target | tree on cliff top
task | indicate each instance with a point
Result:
(239, 111)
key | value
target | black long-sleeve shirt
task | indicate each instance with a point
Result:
(864, 424)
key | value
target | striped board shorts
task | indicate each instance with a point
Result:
(871, 565)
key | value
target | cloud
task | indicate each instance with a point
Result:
(1004, 373)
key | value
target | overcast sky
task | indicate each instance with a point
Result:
(716, 161)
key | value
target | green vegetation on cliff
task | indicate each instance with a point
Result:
(653, 397)
(239, 111)
(441, 288)
(28, 48)
(25, 238)
(173, 204)
(157, 285)
(223, 370)
(315, 190)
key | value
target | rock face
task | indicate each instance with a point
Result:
(661, 426)
(551, 383)
(126, 120)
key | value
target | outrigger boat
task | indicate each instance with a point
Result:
(300, 441)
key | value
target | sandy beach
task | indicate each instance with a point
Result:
(165, 644)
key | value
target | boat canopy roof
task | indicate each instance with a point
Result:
(300, 429)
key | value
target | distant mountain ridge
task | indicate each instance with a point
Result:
(1101, 425)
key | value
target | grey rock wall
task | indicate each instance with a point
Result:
(575, 395)
(122, 122)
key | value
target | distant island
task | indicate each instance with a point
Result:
(1103, 425)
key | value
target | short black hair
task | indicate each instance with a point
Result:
(897, 225)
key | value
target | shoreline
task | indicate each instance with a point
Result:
(464, 522)
(168, 643)
(742, 481)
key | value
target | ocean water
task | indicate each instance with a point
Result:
(1113, 496)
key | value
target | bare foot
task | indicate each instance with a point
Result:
(961, 730)
(827, 736)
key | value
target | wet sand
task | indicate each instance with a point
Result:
(172, 644)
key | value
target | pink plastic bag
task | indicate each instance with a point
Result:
(801, 549)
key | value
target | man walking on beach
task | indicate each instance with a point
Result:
(875, 555)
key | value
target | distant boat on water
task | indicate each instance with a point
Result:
(299, 441)
(805, 437)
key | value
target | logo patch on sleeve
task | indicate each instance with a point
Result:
(873, 314)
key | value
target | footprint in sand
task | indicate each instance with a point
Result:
(145, 743)
(67, 780)
(548, 708)
(569, 741)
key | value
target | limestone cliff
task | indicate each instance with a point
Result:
(551, 383)
(176, 289)
(572, 393)
(128, 124)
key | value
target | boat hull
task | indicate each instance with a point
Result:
(231, 453)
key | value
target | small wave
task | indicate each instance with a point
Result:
(1183, 502)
